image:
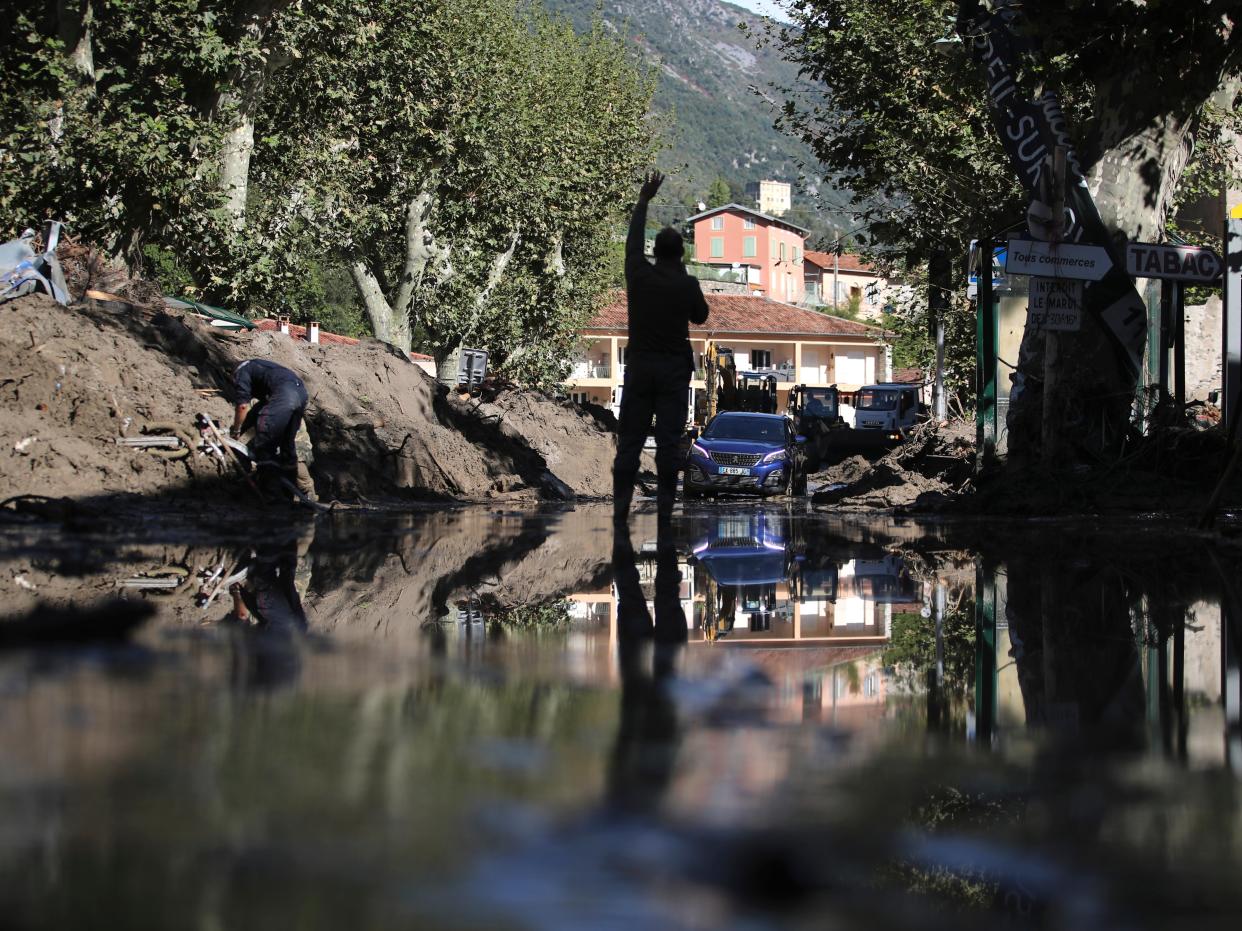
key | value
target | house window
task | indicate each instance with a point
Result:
(579, 397)
(760, 359)
(717, 247)
(748, 223)
(718, 222)
(873, 293)
(621, 354)
(782, 252)
(797, 255)
(748, 246)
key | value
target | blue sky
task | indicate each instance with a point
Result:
(764, 7)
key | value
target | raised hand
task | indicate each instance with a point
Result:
(650, 185)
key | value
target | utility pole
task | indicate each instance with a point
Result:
(939, 285)
(836, 271)
(1053, 409)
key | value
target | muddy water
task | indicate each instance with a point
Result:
(760, 719)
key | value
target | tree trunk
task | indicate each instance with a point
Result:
(237, 100)
(73, 28)
(388, 325)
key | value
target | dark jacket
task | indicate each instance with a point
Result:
(260, 379)
(663, 299)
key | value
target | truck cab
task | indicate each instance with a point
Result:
(888, 409)
(816, 412)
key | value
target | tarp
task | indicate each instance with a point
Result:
(225, 317)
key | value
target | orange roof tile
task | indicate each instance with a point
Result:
(845, 262)
(745, 313)
(299, 332)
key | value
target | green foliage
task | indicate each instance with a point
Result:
(912, 649)
(510, 124)
(122, 153)
(718, 193)
(548, 616)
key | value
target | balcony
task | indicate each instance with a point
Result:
(583, 370)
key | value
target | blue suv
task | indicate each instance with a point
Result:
(741, 453)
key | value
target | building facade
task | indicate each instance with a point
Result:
(765, 248)
(771, 197)
(797, 345)
(829, 283)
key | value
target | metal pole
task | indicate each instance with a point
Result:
(1231, 323)
(939, 285)
(985, 359)
(836, 271)
(1166, 335)
(985, 650)
(1179, 345)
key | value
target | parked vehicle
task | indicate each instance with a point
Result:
(887, 411)
(746, 453)
(816, 414)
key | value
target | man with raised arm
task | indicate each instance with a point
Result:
(662, 299)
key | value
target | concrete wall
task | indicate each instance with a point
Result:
(1203, 326)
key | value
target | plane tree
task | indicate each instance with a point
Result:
(469, 164)
(913, 135)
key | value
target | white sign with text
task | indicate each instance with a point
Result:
(1055, 304)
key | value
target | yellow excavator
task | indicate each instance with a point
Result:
(720, 380)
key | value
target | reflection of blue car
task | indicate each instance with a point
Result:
(746, 549)
(745, 554)
(746, 453)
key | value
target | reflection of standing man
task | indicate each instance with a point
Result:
(662, 300)
(647, 738)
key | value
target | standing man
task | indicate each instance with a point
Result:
(282, 401)
(662, 300)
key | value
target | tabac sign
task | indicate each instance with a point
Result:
(1175, 263)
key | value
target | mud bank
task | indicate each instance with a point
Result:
(74, 379)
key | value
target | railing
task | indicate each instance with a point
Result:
(590, 370)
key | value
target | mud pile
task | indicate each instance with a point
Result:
(74, 379)
(925, 473)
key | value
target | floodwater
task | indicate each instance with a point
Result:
(764, 718)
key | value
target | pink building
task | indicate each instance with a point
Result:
(769, 250)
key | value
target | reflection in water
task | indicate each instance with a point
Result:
(267, 617)
(787, 721)
(647, 652)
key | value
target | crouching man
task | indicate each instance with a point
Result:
(279, 404)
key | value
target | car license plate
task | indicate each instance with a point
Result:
(733, 470)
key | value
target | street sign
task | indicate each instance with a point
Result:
(1055, 304)
(1175, 263)
(1057, 260)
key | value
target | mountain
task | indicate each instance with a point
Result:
(717, 84)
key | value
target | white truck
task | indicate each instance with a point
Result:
(888, 411)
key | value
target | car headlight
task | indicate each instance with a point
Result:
(696, 448)
(774, 457)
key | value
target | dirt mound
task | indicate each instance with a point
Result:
(73, 379)
(925, 473)
(845, 472)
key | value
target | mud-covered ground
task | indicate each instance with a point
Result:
(74, 379)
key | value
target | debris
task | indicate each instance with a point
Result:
(24, 444)
(23, 582)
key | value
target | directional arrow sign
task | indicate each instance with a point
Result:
(1176, 263)
(1057, 260)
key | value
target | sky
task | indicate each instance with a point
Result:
(763, 7)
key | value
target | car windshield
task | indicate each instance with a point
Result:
(820, 402)
(872, 400)
(751, 429)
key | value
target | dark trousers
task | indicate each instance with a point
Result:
(278, 421)
(657, 386)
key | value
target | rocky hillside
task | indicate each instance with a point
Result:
(709, 74)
